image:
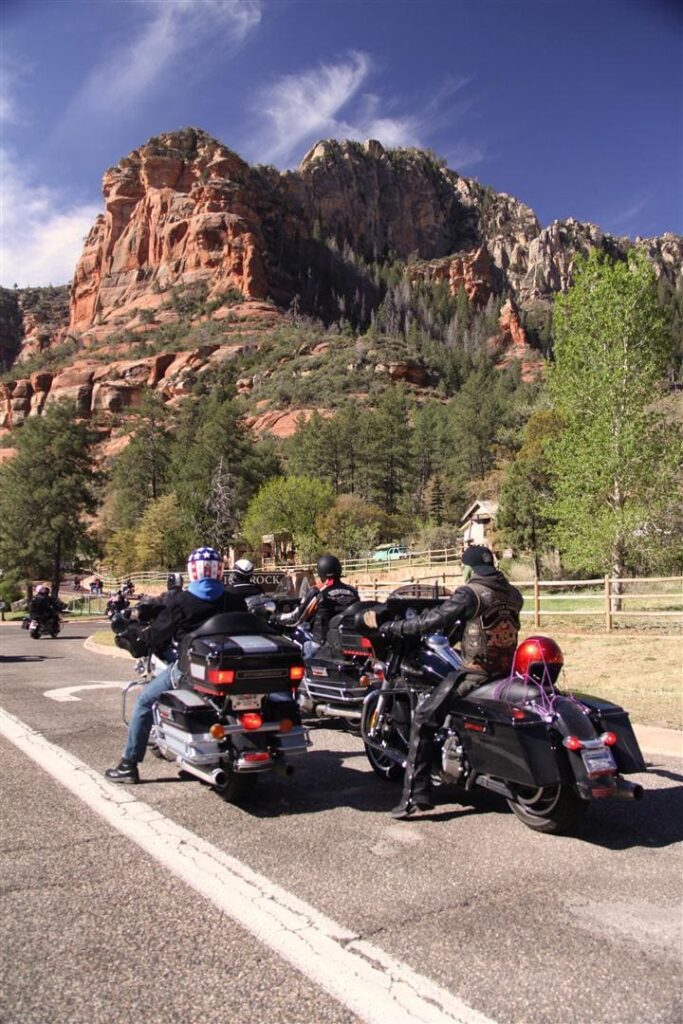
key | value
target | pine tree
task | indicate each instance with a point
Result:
(46, 493)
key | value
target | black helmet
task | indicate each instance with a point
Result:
(242, 571)
(174, 581)
(477, 554)
(329, 566)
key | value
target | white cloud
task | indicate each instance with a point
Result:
(41, 233)
(330, 102)
(173, 31)
(299, 107)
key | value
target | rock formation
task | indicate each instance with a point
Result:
(192, 237)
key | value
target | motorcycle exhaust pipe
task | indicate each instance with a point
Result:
(214, 776)
(628, 790)
(326, 711)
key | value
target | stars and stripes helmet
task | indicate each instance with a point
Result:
(204, 564)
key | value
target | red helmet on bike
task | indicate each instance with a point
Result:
(539, 659)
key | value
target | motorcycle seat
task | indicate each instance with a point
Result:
(509, 690)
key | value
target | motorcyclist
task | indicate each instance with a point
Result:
(174, 583)
(181, 613)
(117, 603)
(43, 607)
(322, 603)
(484, 615)
(240, 578)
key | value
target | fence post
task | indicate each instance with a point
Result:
(608, 605)
(537, 603)
(374, 590)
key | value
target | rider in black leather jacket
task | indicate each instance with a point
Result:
(484, 614)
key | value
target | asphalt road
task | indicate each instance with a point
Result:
(520, 927)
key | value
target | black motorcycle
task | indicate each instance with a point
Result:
(234, 715)
(547, 753)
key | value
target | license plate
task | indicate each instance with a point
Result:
(598, 762)
(246, 703)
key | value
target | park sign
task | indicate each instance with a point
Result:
(272, 581)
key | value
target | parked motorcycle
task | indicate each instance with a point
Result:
(235, 715)
(547, 753)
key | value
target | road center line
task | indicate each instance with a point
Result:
(374, 986)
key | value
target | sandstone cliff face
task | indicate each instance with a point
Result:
(184, 212)
(178, 210)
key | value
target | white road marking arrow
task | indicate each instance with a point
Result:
(65, 693)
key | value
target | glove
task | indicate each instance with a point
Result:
(391, 629)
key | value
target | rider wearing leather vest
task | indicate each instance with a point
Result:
(484, 613)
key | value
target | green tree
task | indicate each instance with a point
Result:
(217, 467)
(120, 552)
(46, 493)
(140, 473)
(525, 514)
(292, 505)
(163, 538)
(352, 527)
(614, 460)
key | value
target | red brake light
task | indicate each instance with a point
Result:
(609, 738)
(220, 675)
(518, 715)
(572, 743)
(365, 643)
(296, 673)
(251, 720)
(261, 755)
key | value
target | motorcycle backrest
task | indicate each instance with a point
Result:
(233, 624)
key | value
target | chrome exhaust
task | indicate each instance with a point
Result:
(628, 790)
(327, 711)
(214, 776)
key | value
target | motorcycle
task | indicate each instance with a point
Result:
(37, 627)
(336, 678)
(234, 715)
(547, 753)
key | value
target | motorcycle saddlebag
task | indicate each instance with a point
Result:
(520, 752)
(186, 711)
(236, 653)
(608, 717)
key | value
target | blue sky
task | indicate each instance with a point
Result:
(573, 106)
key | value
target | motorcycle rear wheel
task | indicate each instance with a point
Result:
(237, 788)
(555, 810)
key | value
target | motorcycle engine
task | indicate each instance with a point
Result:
(453, 762)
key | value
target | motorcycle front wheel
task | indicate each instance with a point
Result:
(555, 810)
(35, 633)
(383, 765)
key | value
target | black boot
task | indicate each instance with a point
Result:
(417, 783)
(125, 771)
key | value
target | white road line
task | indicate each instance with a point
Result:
(374, 986)
(66, 693)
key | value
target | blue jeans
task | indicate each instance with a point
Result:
(142, 720)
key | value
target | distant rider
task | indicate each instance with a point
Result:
(43, 607)
(241, 579)
(485, 612)
(322, 603)
(182, 612)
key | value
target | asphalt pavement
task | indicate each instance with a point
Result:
(520, 928)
